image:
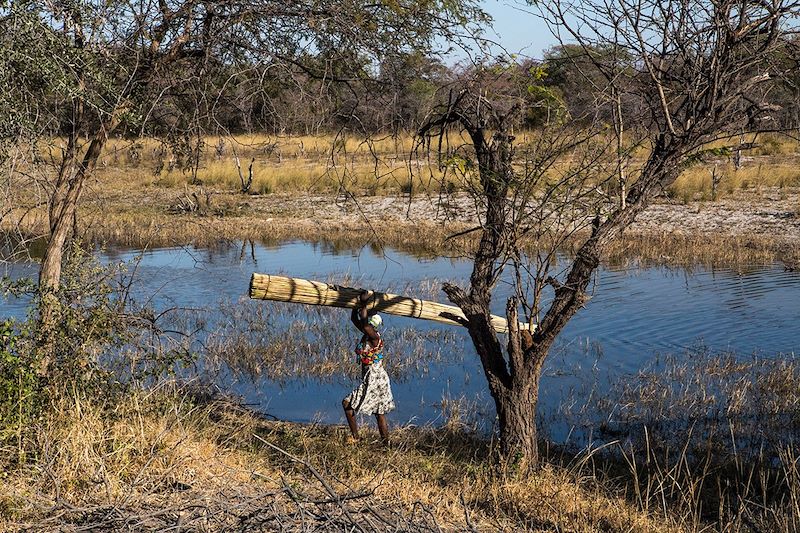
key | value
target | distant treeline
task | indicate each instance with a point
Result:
(317, 97)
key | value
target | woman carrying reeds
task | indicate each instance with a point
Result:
(373, 396)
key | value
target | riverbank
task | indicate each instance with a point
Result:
(173, 457)
(747, 226)
(179, 457)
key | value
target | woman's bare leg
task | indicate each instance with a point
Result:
(350, 414)
(383, 427)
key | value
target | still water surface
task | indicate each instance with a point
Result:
(635, 315)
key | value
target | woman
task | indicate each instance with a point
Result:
(374, 395)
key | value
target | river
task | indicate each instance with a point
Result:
(636, 315)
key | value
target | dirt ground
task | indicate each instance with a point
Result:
(770, 212)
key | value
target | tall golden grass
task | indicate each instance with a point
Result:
(696, 182)
(387, 164)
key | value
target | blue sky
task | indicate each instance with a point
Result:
(517, 29)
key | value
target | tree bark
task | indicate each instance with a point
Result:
(516, 412)
(62, 216)
(63, 212)
(513, 383)
(518, 430)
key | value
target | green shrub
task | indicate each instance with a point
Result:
(19, 382)
(84, 344)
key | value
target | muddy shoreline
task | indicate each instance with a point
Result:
(770, 211)
(753, 226)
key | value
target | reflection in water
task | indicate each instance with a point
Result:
(634, 315)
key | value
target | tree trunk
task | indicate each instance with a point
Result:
(61, 226)
(62, 213)
(62, 216)
(513, 383)
(516, 410)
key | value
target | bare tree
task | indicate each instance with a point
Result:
(694, 73)
(538, 193)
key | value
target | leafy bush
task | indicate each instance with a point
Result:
(19, 381)
(87, 319)
(88, 345)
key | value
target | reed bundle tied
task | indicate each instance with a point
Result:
(301, 291)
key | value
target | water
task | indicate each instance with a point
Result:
(635, 315)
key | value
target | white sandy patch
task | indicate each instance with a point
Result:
(771, 213)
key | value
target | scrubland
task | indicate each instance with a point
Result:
(706, 446)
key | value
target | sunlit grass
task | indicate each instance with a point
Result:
(168, 447)
(173, 448)
(696, 182)
(386, 164)
(305, 176)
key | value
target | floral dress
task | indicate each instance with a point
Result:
(373, 396)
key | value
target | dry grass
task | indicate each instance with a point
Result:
(424, 239)
(710, 437)
(326, 163)
(707, 249)
(695, 183)
(772, 163)
(128, 203)
(169, 457)
(293, 164)
(298, 177)
(298, 164)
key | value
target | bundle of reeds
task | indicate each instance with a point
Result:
(301, 291)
